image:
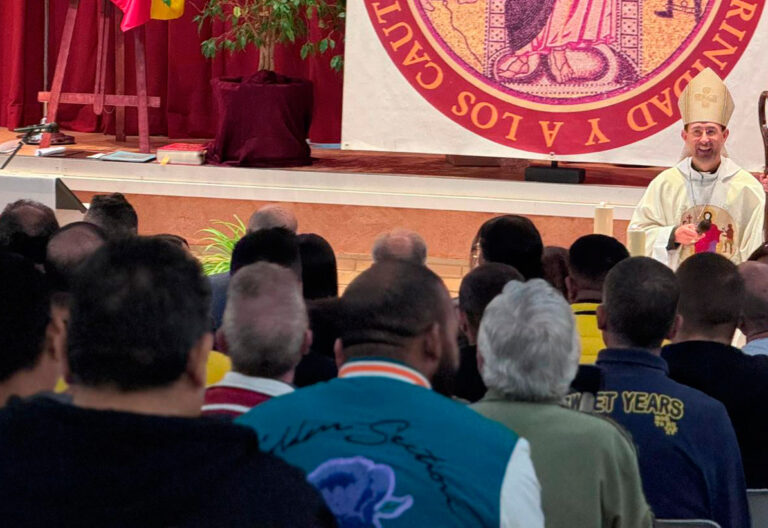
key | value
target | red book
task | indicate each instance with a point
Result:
(182, 153)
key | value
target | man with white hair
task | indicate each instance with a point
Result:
(400, 244)
(265, 333)
(529, 351)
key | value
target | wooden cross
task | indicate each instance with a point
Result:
(99, 99)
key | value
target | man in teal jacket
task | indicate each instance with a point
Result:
(382, 447)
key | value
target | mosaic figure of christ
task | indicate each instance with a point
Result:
(564, 25)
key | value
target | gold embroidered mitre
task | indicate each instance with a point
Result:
(706, 99)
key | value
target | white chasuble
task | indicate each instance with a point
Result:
(730, 202)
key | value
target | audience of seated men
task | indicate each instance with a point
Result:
(477, 289)
(114, 214)
(590, 259)
(31, 341)
(754, 313)
(512, 240)
(130, 451)
(400, 244)
(265, 332)
(266, 217)
(529, 351)
(25, 227)
(377, 442)
(712, 293)
(687, 449)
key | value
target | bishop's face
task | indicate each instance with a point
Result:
(704, 142)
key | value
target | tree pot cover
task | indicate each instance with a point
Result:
(263, 121)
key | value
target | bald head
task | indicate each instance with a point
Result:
(25, 227)
(755, 308)
(400, 244)
(265, 323)
(68, 248)
(273, 215)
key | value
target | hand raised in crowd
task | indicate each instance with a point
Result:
(686, 234)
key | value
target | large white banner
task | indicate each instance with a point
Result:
(571, 80)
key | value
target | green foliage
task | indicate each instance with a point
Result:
(217, 254)
(265, 23)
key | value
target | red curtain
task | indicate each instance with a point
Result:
(177, 72)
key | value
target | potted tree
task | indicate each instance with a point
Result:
(264, 119)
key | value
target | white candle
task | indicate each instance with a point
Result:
(604, 219)
(636, 242)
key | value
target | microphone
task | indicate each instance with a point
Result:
(42, 128)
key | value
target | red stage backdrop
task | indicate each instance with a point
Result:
(177, 72)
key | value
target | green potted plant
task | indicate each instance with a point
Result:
(266, 23)
(264, 119)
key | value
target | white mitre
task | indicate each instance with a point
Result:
(706, 99)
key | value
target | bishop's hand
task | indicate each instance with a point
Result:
(687, 234)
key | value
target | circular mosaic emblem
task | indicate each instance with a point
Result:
(561, 76)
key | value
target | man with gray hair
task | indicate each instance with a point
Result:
(529, 350)
(266, 217)
(272, 215)
(266, 333)
(400, 244)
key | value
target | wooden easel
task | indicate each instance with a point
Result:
(99, 99)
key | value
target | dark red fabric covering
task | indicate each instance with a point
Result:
(264, 121)
(177, 72)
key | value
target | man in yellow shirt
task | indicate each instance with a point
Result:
(590, 259)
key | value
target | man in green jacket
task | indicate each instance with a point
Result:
(528, 350)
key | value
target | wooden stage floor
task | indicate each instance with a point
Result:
(343, 161)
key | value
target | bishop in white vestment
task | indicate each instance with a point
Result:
(706, 203)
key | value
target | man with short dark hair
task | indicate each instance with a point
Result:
(477, 289)
(590, 259)
(30, 339)
(25, 227)
(277, 245)
(266, 333)
(754, 314)
(114, 214)
(687, 449)
(712, 293)
(377, 442)
(512, 240)
(130, 450)
(68, 248)
(400, 244)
